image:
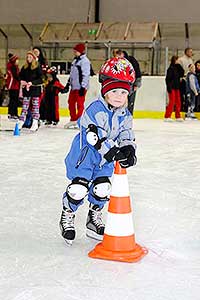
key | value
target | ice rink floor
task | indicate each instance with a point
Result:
(35, 262)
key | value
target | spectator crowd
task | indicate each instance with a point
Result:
(35, 87)
(183, 87)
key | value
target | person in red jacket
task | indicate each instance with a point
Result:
(51, 100)
(12, 84)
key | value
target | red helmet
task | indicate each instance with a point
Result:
(117, 68)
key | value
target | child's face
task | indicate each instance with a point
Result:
(192, 68)
(117, 98)
(198, 66)
(36, 51)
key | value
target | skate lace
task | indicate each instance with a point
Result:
(97, 218)
(67, 220)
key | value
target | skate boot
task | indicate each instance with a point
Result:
(20, 124)
(67, 225)
(34, 126)
(193, 117)
(71, 125)
(95, 226)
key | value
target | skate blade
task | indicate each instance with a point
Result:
(71, 128)
(93, 235)
(69, 242)
(27, 131)
(190, 119)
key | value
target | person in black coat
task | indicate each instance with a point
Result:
(173, 82)
(31, 83)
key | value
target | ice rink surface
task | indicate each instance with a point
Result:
(35, 262)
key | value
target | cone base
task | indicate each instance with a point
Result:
(125, 256)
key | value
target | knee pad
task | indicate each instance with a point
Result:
(77, 190)
(101, 188)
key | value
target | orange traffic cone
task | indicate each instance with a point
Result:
(119, 238)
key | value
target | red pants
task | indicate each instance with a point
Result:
(174, 100)
(76, 104)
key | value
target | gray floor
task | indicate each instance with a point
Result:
(36, 264)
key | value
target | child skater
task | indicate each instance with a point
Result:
(105, 136)
(192, 91)
(51, 100)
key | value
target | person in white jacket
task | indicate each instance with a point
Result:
(186, 59)
(79, 84)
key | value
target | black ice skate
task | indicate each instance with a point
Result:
(67, 226)
(95, 225)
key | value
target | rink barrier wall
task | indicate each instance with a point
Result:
(151, 97)
(64, 112)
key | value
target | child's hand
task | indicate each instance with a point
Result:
(23, 83)
(129, 153)
(81, 91)
(28, 86)
(114, 154)
(66, 89)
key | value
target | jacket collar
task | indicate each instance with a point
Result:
(80, 57)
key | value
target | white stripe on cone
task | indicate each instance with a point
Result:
(119, 224)
(120, 186)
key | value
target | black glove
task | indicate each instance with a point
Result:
(114, 154)
(81, 91)
(130, 157)
(66, 88)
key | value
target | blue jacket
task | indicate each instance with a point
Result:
(192, 85)
(114, 125)
(80, 73)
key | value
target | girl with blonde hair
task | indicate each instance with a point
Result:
(31, 83)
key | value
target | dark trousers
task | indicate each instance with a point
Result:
(13, 104)
(52, 109)
(184, 102)
(197, 106)
(131, 102)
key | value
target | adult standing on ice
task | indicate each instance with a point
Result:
(79, 83)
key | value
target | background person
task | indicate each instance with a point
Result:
(31, 82)
(51, 100)
(192, 90)
(197, 72)
(173, 81)
(13, 84)
(44, 66)
(138, 78)
(185, 61)
(79, 83)
(2, 87)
